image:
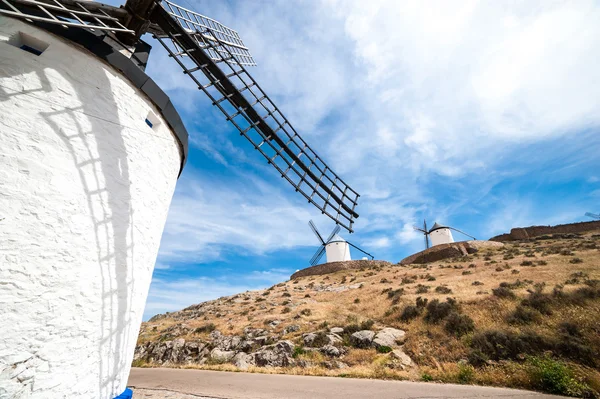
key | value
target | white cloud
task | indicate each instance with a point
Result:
(209, 214)
(397, 97)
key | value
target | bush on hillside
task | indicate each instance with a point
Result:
(504, 293)
(459, 324)
(437, 311)
(522, 315)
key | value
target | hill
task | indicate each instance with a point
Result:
(526, 315)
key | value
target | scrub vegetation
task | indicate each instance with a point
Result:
(538, 328)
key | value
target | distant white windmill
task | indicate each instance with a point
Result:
(438, 234)
(336, 248)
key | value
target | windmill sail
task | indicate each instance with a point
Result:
(214, 57)
(217, 68)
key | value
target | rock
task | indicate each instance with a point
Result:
(264, 340)
(274, 323)
(221, 356)
(334, 339)
(304, 363)
(335, 364)
(309, 338)
(362, 339)
(290, 329)
(215, 335)
(243, 360)
(331, 350)
(336, 330)
(246, 345)
(389, 337)
(401, 357)
(277, 355)
(451, 250)
(253, 332)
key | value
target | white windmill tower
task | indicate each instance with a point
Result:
(336, 248)
(438, 234)
(90, 152)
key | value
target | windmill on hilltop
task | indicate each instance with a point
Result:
(593, 215)
(102, 147)
(335, 247)
(438, 234)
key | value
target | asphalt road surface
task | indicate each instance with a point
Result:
(164, 382)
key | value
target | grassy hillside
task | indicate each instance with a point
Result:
(525, 315)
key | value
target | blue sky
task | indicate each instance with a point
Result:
(477, 115)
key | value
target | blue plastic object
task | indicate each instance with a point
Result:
(127, 394)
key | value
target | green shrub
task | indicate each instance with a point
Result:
(306, 312)
(384, 349)
(357, 300)
(426, 377)
(287, 309)
(437, 311)
(503, 292)
(442, 289)
(286, 294)
(477, 358)
(506, 345)
(522, 315)
(459, 324)
(409, 313)
(207, 328)
(527, 263)
(556, 377)
(367, 324)
(576, 260)
(395, 295)
(298, 350)
(422, 289)
(465, 373)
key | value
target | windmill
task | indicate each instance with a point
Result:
(438, 234)
(593, 215)
(73, 87)
(336, 248)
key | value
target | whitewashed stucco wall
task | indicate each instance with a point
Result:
(85, 187)
(337, 252)
(441, 236)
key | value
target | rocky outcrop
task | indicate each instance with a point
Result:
(525, 233)
(447, 251)
(362, 339)
(278, 355)
(390, 337)
(333, 267)
(260, 349)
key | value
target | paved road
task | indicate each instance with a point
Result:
(218, 384)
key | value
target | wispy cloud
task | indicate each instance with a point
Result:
(474, 113)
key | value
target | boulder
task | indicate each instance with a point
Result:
(334, 339)
(290, 329)
(243, 360)
(331, 351)
(362, 339)
(221, 356)
(399, 356)
(451, 250)
(277, 355)
(336, 330)
(389, 337)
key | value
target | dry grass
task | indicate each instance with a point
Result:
(331, 301)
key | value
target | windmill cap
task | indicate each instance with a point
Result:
(336, 238)
(437, 226)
